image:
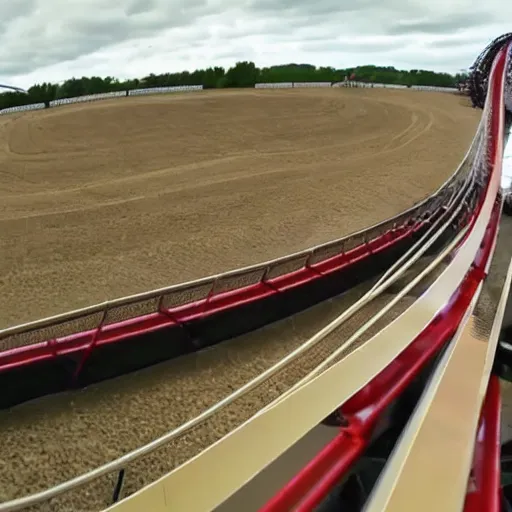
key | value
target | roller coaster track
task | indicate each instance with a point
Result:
(432, 302)
(13, 88)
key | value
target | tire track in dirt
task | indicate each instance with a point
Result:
(403, 133)
(388, 148)
(413, 132)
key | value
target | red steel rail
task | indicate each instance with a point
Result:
(484, 488)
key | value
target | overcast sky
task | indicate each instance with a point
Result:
(51, 40)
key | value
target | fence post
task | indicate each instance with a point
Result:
(91, 346)
(119, 486)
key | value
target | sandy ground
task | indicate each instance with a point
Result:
(117, 197)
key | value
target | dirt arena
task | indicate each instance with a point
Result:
(117, 197)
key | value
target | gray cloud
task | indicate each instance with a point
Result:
(441, 25)
(13, 10)
(140, 6)
(347, 46)
(39, 38)
(322, 6)
(50, 40)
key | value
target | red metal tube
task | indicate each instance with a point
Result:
(484, 487)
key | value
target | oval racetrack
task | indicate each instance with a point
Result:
(117, 197)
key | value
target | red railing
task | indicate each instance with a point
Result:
(484, 488)
(87, 341)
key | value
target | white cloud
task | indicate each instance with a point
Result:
(51, 40)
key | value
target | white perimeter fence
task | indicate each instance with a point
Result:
(291, 85)
(185, 88)
(371, 85)
(103, 96)
(87, 98)
(277, 85)
(164, 90)
(23, 108)
(366, 85)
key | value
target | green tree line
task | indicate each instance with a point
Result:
(242, 74)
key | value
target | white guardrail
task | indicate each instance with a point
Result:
(87, 98)
(431, 88)
(352, 83)
(103, 96)
(184, 88)
(277, 85)
(368, 85)
(164, 90)
(22, 108)
(371, 85)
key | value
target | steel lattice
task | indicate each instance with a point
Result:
(480, 70)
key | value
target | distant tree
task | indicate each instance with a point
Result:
(42, 93)
(13, 99)
(242, 74)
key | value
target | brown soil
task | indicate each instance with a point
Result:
(117, 197)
